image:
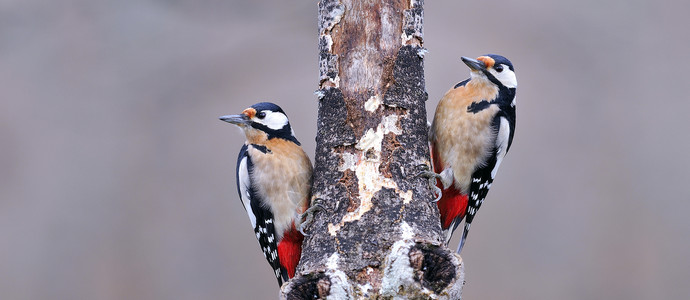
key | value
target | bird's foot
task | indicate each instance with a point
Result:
(432, 177)
(308, 215)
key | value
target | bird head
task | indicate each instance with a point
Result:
(261, 122)
(495, 68)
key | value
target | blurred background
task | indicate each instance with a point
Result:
(117, 178)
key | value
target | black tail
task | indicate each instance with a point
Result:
(464, 236)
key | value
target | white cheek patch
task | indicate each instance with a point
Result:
(273, 120)
(507, 77)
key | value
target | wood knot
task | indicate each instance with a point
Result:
(432, 266)
(312, 286)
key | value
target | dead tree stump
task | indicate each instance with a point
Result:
(379, 234)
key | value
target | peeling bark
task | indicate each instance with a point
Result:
(378, 235)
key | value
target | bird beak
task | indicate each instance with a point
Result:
(239, 120)
(474, 64)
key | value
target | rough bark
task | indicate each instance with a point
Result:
(378, 236)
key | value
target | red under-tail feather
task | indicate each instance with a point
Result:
(290, 249)
(453, 204)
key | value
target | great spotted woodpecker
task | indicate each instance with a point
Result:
(471, 133)
(274, 184)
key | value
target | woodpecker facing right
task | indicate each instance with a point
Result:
(470, 135)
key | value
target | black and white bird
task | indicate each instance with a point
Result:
(471, 133)
(274, 184)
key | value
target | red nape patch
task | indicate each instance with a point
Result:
(290, 249)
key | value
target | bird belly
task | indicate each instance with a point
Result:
(284, 180)
(465, 143)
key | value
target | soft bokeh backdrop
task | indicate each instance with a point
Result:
(117, 179)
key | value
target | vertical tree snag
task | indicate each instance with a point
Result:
(378, 235)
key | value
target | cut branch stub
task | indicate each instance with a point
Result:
(312, 286)
(433, 267)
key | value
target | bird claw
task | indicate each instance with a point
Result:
(426, 172)
(437, 191)
(433, 177)
(308, 215)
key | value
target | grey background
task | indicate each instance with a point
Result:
(117, 179)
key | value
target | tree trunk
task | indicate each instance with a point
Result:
(378, 235)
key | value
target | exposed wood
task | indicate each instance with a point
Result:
(378, 235)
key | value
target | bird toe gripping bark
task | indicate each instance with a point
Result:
(433, 177)
(308, 215)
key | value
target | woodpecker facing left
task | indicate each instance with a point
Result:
(471, 133)
(274, 184)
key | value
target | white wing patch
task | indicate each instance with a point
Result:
(501, 144)
(245, 182)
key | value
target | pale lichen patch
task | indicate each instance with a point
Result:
(372, 103)
(390, 124)
(333, 17)
(397, 272)
(320, 94)
(333, 229)
(332, 262)
(421, 52)
(329, 42)
(340, 286)
(349, 162)
(371, 139)
(406, 232)
(331, 82)
(407, 197)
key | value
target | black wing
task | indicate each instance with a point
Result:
(483, 177)
(260, 217)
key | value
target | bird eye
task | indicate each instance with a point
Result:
(499, 68)
(261, 115)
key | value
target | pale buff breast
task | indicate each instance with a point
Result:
(464, 139)
(284, 174)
